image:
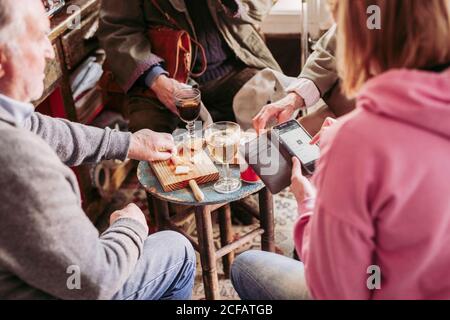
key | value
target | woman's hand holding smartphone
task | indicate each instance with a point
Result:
(301, 187)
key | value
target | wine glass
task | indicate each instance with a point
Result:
(223, 140)
(188, 102)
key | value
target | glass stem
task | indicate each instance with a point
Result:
(226, 168)
(191, 129)
(190, 126)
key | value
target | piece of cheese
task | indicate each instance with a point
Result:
(182, 170)
(179, 161)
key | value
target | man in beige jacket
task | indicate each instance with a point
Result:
(318, 79)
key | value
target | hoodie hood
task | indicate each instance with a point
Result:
(418, 98)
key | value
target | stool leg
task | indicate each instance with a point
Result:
(207, 252)
(161, 209)
(226, 237)
(151, 210)
(267, 220)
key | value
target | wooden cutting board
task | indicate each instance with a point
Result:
(203, 171)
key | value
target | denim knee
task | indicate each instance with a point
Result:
(178, 245)
(244, 260)
(240, 271)
(165, 270)
(258, 275)
(182, 250)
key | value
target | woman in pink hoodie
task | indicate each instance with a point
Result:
(375, 223)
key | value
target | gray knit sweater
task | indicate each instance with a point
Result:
(45, 237)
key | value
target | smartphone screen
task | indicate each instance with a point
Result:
(297, 140)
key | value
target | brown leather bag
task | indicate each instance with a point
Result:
(175, 46)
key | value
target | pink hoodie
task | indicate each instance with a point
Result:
(383, 194)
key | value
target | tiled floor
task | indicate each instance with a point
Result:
(285, 215)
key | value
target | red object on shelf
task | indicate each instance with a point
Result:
(54, 105)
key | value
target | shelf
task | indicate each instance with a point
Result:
(63, 20)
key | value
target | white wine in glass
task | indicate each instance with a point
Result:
(223, 139)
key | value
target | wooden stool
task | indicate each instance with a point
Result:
(159, 200)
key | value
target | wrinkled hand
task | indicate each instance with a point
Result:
(131, 211)
(326, 124)
(300, 185)
(164, 88)
(147, 145)
(282, 110)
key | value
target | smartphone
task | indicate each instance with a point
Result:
(296, 140)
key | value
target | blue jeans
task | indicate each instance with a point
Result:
(165, 271)
(258, 275)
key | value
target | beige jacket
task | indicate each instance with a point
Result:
(321, 68)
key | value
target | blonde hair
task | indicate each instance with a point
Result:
(414, 34)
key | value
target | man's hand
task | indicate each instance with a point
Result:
(147, 145)
(131, 211)
(282, 110)
(164, 88)
(300, 185)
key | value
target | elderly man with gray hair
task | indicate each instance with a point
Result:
(48, 247)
